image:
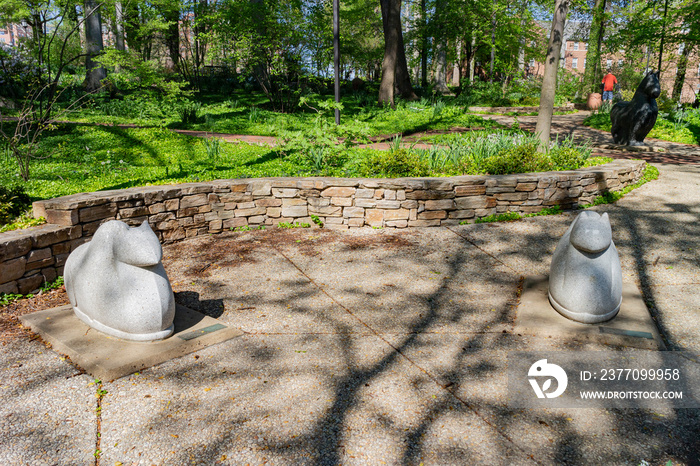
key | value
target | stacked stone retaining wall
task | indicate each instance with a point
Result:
(30, 257)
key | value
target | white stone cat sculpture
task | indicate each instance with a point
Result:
(117, 283)
(585, 278)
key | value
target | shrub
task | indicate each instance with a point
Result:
(13, 201)
(132, 106)
(482, 93)
(504, 217)
(567, 158)
(395, 164)
(569, 85)
(520, 159)
(18, 71)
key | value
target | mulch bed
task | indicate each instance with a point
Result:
(10, 326)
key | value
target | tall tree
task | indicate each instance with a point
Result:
(119, 26)
(680, 75)
(394, 66)
(423, 46)
(171, 15)
(492, 61)
(95, 72)
(593, 71)
(690, 35)
(440, 51)
(551, 66)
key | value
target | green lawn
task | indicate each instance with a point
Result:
(81, 158)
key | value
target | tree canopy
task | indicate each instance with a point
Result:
(278, 46)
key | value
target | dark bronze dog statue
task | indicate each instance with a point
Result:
(632, 121)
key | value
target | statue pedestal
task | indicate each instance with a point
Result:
(632, 327)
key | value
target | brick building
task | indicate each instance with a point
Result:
(12, 33)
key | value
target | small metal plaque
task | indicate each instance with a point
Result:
(202, 331)
(627, 333)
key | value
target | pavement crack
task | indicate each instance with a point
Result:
(100, 393)
(441, 386)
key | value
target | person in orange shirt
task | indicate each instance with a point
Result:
(609, 81)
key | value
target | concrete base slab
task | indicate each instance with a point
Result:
(625, 148)
(108, 358)
(633, 325)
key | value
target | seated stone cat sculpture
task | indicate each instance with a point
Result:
(585, 279)
(117, 283)
(632, 121)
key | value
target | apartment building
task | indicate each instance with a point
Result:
(12, 33)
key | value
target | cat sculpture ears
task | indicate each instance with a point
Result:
(591, 232)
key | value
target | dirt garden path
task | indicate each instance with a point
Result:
(656, 151)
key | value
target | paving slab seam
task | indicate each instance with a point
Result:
(480, 249)
(674, 284)
(99, 394)
(374, 333)
(413, 363)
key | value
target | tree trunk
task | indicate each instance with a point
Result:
(663, 37)
(440, 61)
(391, 44)
(402, 76)
(592, 74)
(37, 23)
(680, 75)
(394, 67)
(95, 72)
(440, 65)
(521, 56)
(423, 48)
(521, 39)
(455, 68)
(472, 59)
(549, 81)
(172, 35)
(464, 61)
(493, 45)
(200, 46)
(260, 70)
(119, 26)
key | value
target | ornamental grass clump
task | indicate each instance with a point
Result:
(500, 153)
